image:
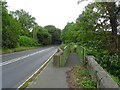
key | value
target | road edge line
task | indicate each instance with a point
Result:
(22, 57)
(43, 66)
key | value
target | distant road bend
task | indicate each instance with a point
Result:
(18, 66)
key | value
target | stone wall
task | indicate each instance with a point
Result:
(102, 78)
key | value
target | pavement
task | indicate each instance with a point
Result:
(73, 60)
(19, 66)
(55, 77)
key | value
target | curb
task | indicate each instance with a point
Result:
(43, 66)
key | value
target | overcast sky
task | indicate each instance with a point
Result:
(50, 12)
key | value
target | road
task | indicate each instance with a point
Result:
(17, 67)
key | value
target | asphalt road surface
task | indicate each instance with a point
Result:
(17, 67)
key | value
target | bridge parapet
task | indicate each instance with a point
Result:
(56, 58)
(102, 78)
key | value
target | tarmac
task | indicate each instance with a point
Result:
(55, 77)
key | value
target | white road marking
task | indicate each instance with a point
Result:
(17, 59)
(37, 70)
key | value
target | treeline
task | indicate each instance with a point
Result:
(98, 30)
(19, 28)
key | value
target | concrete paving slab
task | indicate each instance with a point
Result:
(51, 77)
(55, 77)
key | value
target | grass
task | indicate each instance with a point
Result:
(5, 51)
(83, 78)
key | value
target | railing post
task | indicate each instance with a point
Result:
(57, 58)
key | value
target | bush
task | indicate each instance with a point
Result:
(10, 30)
(27, 41)
(73, 47)
(83, 78)
(62, 46)
(109, 62)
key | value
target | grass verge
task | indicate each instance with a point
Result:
(5, 51)
(79, 77)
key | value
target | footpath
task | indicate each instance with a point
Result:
(55, 77)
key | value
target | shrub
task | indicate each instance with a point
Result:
(83, 78)
(10, 30)
(73, 47)
(62, 46)
(27, 41)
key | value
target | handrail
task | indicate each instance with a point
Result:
(64, 56)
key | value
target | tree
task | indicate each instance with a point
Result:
(55, 33)
(34, 31)
(109, 15)
(10, 29)
(26, 20)
(43, 36)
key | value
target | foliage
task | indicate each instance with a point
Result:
(11, 29)
(83, 78)
(43, 36)
(68, 33)
(20, 29)
(116, 79)
(64, 56)
(111, 64)
(62, 46)
(81, 51)
(73, 47)
(26, 20)
(17, 49)
(27, 41)
(96, 30)
(34, 31)
(55, 33)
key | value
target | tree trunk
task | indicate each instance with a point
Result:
(111, 8)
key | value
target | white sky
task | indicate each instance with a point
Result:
(50, 12)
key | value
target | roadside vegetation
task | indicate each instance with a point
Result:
(21, 32)
(17, 49)
(97, 31)
(79, 77)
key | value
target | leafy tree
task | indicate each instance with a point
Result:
(11, 28)
(43, 36)
(34, 31)
(0, 24)
(97, 27)
(67, 33)
(55, 33)
(26, 20)
(108, 12)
